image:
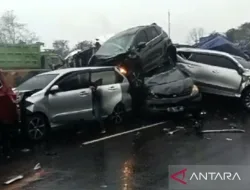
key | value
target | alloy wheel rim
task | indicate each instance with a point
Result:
(117, 115)
(36, 128)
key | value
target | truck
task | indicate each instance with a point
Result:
(20, 62)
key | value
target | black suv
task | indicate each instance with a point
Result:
(137, 51)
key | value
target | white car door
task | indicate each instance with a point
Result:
(73, 101)
(110, 91)
(225, 75)
(193, 66)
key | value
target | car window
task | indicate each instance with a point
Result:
(151, 33)
(243, 62)
(141, 37)
(37, 82)
(185, 55)
(213, 60)
(108, 77)
(74, 82)
(159, 31)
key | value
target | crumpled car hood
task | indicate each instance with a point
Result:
(169, 83)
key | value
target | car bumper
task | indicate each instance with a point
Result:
(172, 105)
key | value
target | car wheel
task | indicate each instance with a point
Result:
(117, 116)
(36, 127)
(245, 98)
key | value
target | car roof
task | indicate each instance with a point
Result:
(198, 50)
(132, 30)
(68, 70)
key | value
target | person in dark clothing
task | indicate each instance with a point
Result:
(97, 108)
(5, 140)
(172, 54)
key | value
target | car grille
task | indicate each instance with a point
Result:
(186, 92)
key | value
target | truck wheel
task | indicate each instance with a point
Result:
(245, 99)
(36, 127)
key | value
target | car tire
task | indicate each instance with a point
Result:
(245, 99)
(36, 127)
(118, 114)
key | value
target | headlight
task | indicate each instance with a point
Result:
(151, 94)
(195, 90)
(123, 70)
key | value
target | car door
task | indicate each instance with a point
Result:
(156, 47)
(141, 36)
(225, 76)
(194, 65)
(74, 100)
(110, 91)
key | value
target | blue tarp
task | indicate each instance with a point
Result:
(221, 43)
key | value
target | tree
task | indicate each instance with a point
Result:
(13, 32)
(195, 34)
(240, 35)
(83, 45)
(61, 47)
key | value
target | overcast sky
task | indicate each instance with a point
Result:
(77, 20)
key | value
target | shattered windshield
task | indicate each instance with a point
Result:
(37, 82)
(116, 45)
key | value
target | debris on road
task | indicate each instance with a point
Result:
(104, 186)
(228, 139)
(225, 118)
(37, 166)
(25, 150)
(166, 129)
(180, 127)
(173, 132)
(208, 138)
(233, 125)
(224, 131)
(19, 177)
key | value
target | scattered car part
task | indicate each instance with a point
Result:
(229, 139)
(224, 131)
(19, 177)
(37, 166)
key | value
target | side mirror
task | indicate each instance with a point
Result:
(54, 89)
(141, 45)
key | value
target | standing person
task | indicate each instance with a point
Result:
(5, 138)
(97, 108)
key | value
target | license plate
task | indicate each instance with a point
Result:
(175, 109)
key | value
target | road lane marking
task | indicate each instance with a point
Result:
(123, 133)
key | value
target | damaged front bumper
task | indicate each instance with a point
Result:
(172, 105)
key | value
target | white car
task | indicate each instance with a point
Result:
(62, 96)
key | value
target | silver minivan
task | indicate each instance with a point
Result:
(217, 72)
(63, 96)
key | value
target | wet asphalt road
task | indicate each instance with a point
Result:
(134, 160)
